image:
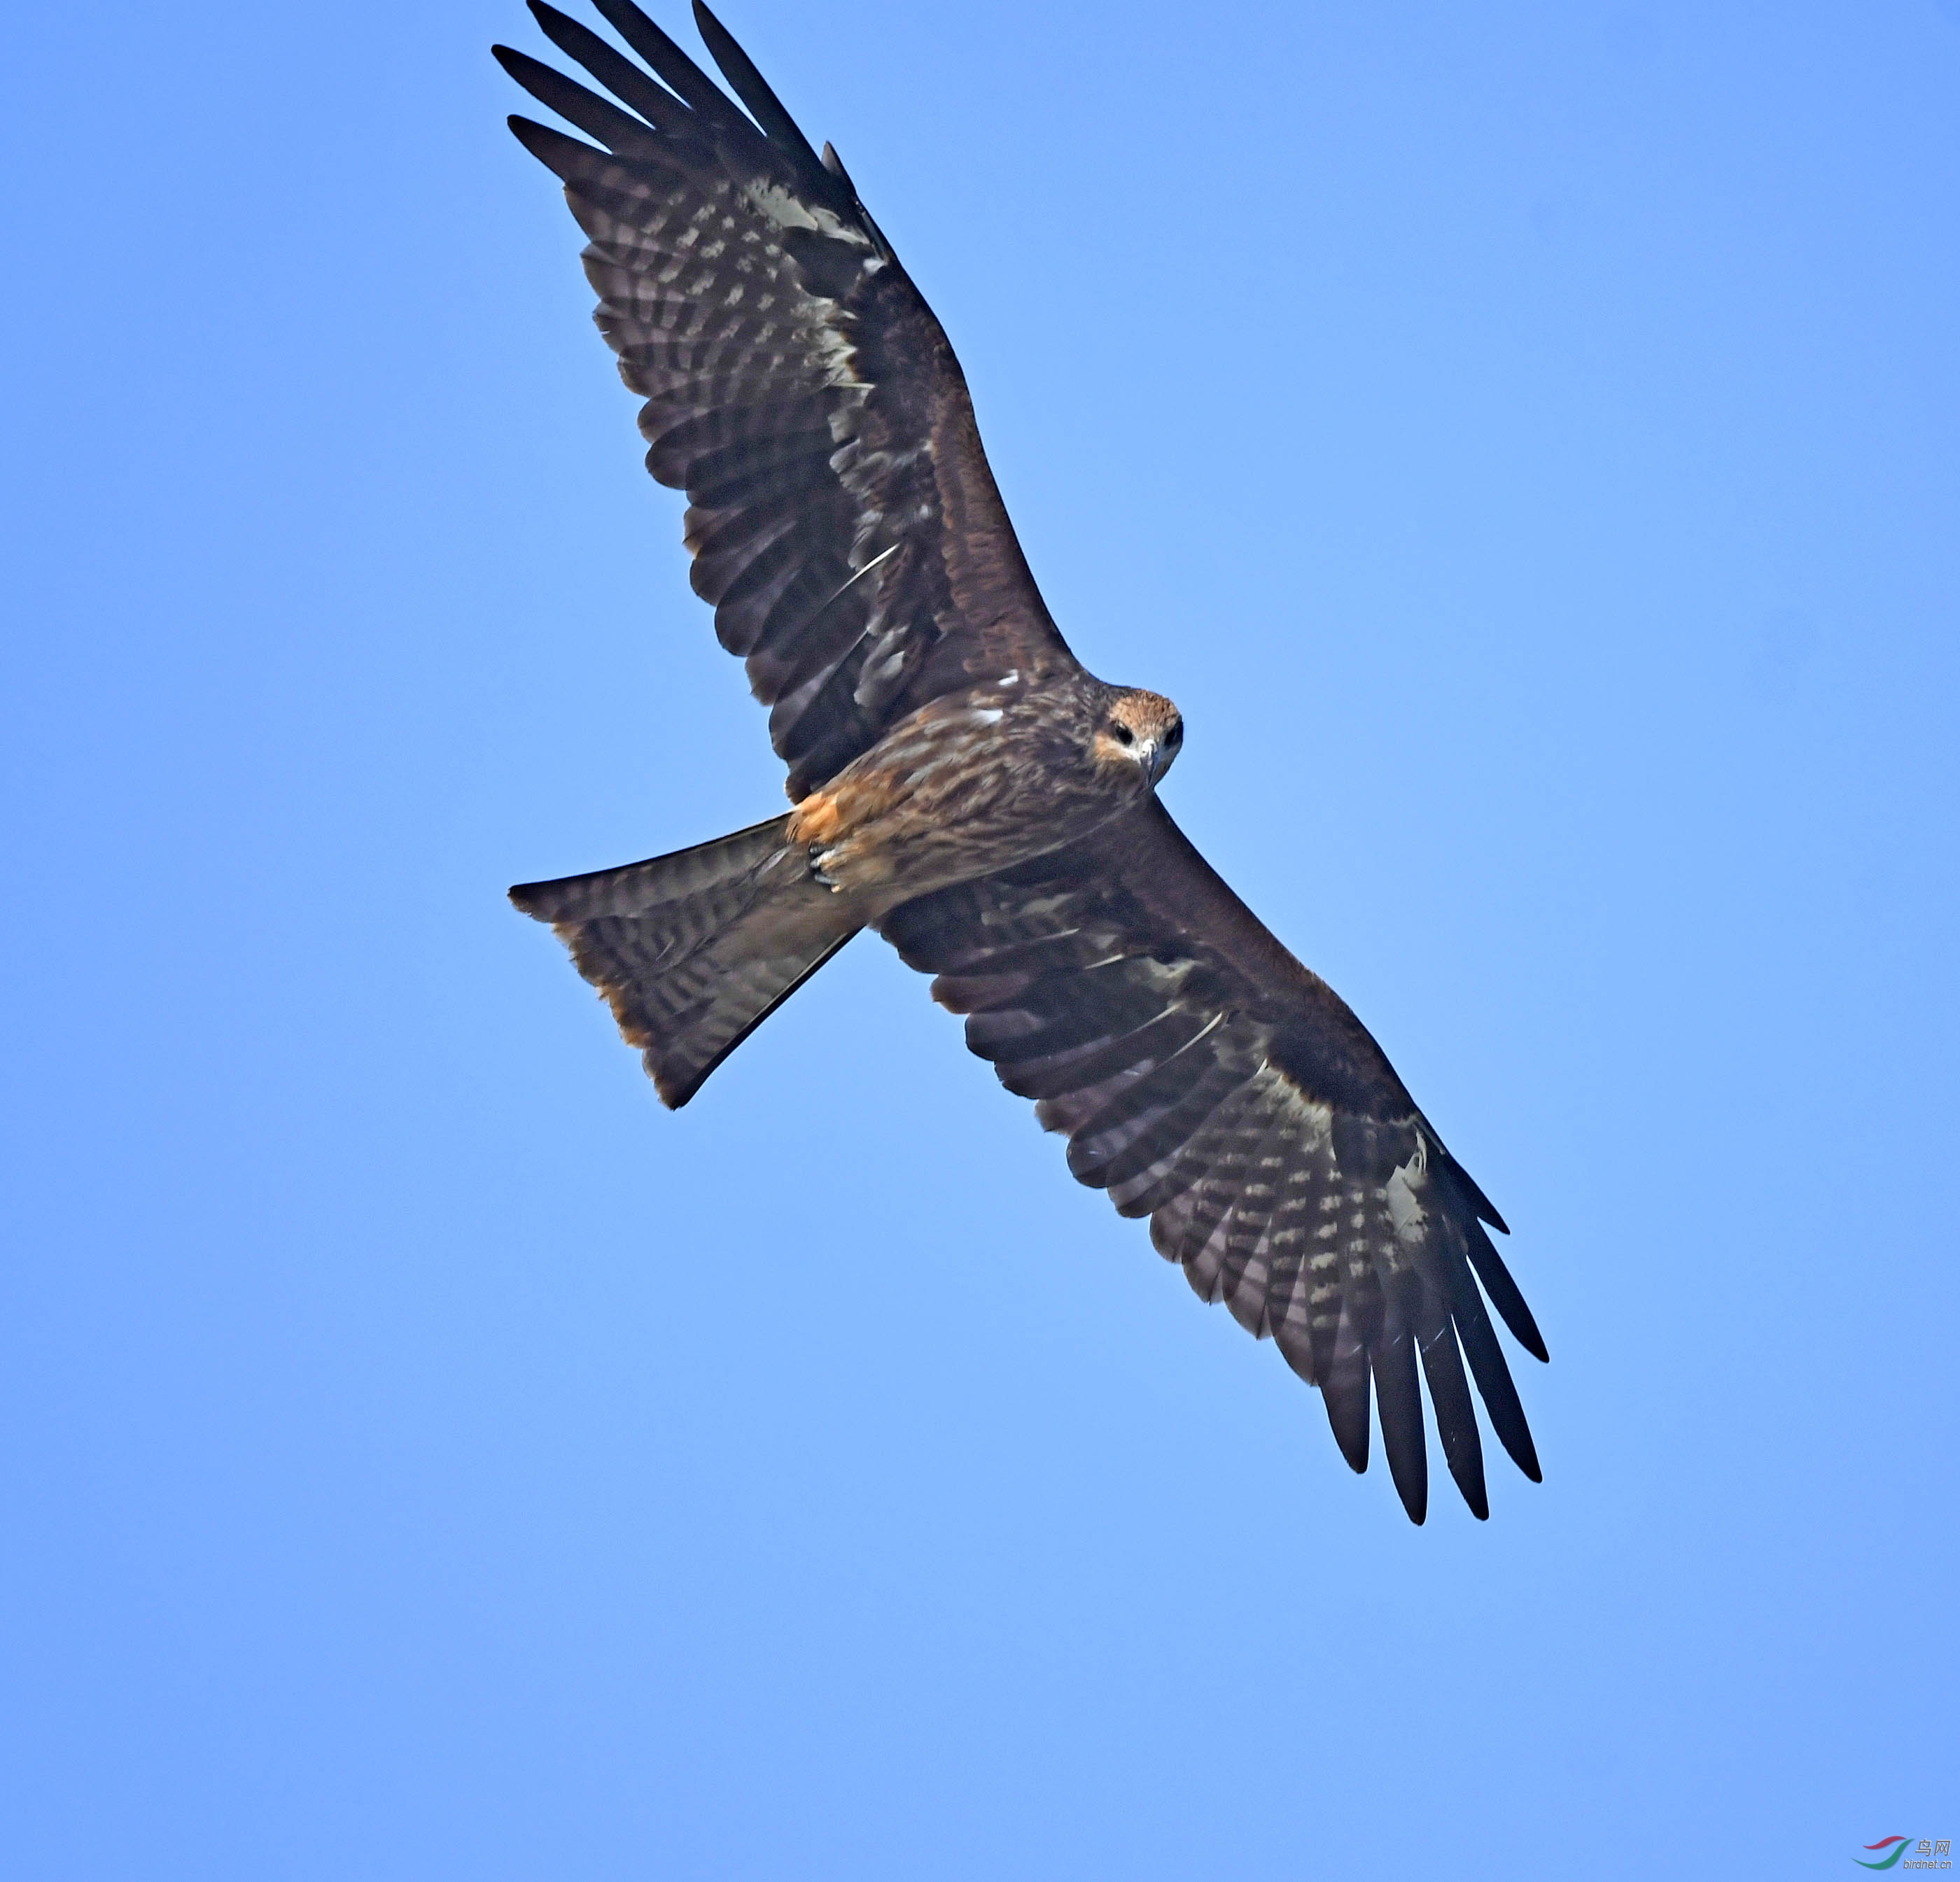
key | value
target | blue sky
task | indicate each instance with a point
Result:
(1521, 437)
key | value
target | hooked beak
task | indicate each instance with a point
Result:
(1155, 757)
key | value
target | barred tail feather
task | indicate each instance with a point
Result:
(694, 950)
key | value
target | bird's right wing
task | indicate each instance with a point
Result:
(844, 523)
(1208, 1080)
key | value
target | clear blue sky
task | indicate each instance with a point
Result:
(1522, 439)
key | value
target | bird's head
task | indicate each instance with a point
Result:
(1138, 736)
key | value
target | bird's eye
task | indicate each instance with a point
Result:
(1175, 735)
(1122, 735)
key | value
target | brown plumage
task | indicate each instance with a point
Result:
(962, 786)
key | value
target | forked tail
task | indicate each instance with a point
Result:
(694, 951)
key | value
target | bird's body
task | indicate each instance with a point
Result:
(983, 779)
(962, 786)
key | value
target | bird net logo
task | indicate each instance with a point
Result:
(1902, 1852)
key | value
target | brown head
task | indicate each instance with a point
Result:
(1139, 736)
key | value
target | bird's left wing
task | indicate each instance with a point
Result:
(844, 523)
(1206, 1080)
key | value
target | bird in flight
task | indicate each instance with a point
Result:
(959, 782)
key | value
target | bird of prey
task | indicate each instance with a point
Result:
(962, 785)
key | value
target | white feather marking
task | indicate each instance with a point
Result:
(1405, 1208)
(1314, 1121)
(789, 212)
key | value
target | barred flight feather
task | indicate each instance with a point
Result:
(1206, 1079)
(797, 388)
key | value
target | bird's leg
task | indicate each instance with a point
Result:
(849, 864)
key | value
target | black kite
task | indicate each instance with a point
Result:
(962, 785)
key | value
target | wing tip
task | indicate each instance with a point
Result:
(1348, 1408)
(543, 140)
(704, 20)
(1505, 1294)
(514, 63)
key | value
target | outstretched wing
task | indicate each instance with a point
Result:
(843, 520)
(1206, 1080)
